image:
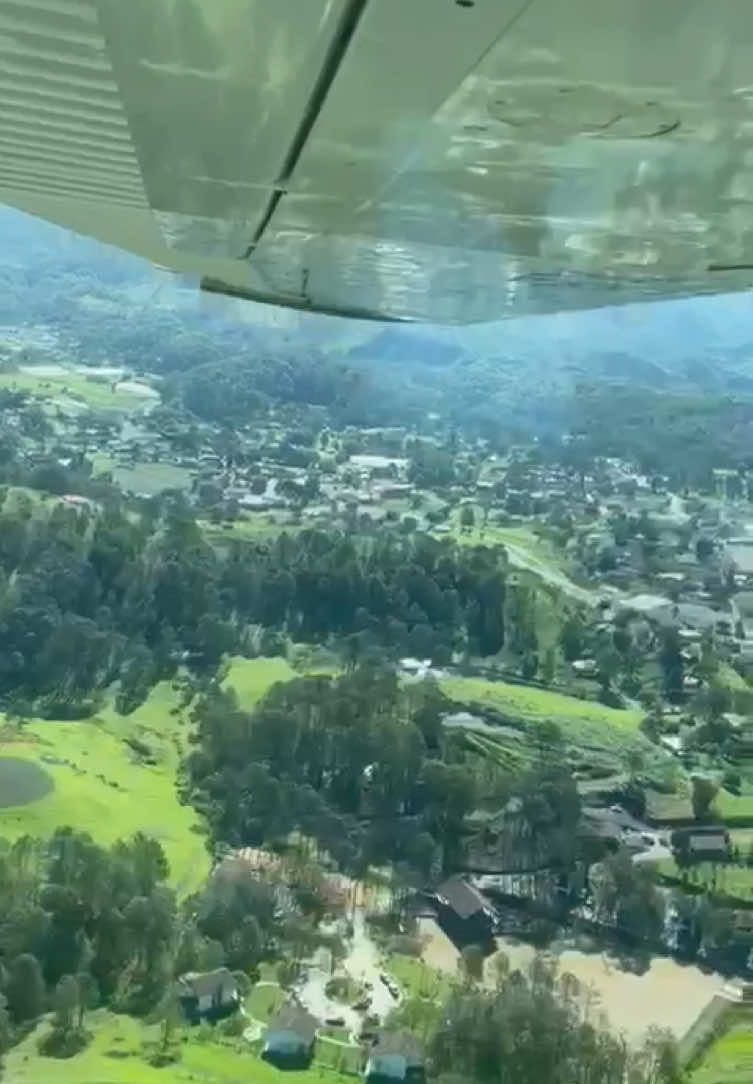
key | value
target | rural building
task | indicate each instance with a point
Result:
(465, 915)
(709, 845)
(703, 843)
(290, 1037)
(208, 995)
(395, 1056)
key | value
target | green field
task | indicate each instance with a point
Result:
(254, 527)
(729, 1059)
(425, 994)
(115, 1056)
(536, 704)
(252, 678)
(264, 1001)
(730, 880)
(522, 538)
(734, 807)
(102, 463)
(151, 478)
(102, 787)
(417, 979)
(92, 393)
(597, 738)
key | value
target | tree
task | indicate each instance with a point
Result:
(573, 638)
(549, 665)
(66, 1003)
(6, 1031)
(671, 662)
(704, 791)
(169, 1014)
(287, 973)
(471, 963)
(704, 549)
(467, 517)
(25, 989)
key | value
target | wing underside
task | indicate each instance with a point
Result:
(444, 160)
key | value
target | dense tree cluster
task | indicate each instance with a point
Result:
(684, 437)
(352, 762)
(364, 767)
(83, 926)
(413, 593)
(538, 1028)
(234, 390)
(89, 595)
(80, 924)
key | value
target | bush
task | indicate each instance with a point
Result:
(158, 1059)
(404, 945)
(732, 780)
(233, 1027)
(342, 988)
(64, 1044)
(542, 931)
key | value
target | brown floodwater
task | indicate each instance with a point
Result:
(668, 994)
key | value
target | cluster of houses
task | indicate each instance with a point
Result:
(289, 1039)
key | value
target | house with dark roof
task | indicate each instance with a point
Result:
(702, 843)
(290, 1038)
(395, 1057)
(464, 913)
(208, 995)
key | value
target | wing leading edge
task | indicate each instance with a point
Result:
(433, 160)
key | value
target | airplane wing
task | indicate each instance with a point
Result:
(450, 161)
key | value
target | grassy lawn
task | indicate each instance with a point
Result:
(668, 807)
(102, 463)
(417, 979)
(742, 838)
(426, 991)
(538, 703)
(252, 678)
(253, 527)
(334, 1057)
(734, 807)
(151, 478)
(731, 679)
(521, 538)
(264, 1001)
(597, 738)
(734, 881)
(729, 1060)
(93, 393)
(102, 787)
(115, 1056)
(731, 808)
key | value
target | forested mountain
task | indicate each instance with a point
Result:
(520, 374)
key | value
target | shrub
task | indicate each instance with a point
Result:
(60, 1043)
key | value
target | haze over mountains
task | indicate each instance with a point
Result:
(523, 368)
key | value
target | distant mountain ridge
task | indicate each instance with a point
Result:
(513, 371)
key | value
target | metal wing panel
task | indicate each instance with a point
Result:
(598, 152)
(409, 159)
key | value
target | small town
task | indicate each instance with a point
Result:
(627, 647)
